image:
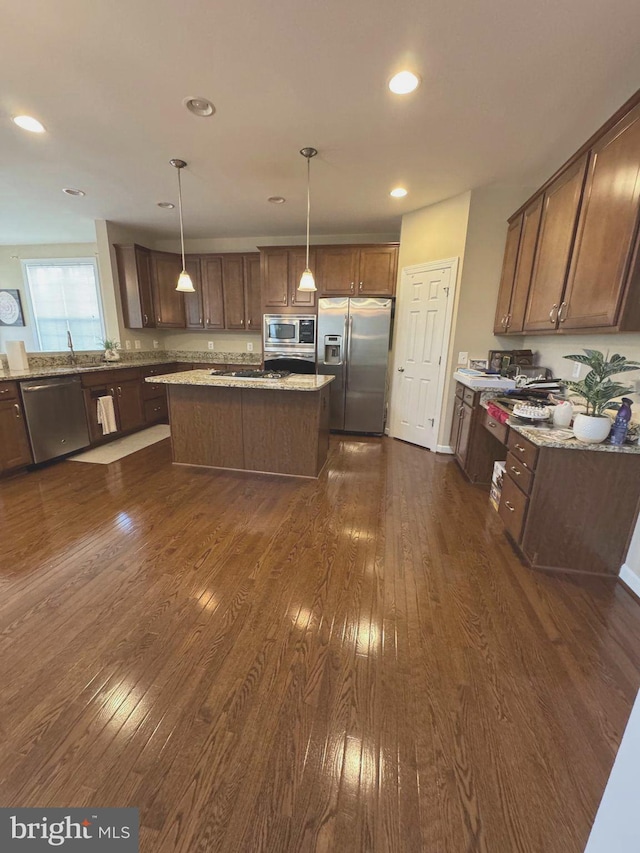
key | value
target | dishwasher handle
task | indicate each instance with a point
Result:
(48, 385)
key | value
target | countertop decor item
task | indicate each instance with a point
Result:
(597, 390)
(110, 349)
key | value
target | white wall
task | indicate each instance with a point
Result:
(11, 278)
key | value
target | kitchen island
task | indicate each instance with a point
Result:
(273, 426)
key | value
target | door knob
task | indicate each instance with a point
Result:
(401, 370)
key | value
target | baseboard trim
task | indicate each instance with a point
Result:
(630, 579)
(444, 448)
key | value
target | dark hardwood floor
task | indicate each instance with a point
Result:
(266, 664)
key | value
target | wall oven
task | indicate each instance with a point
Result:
(289, 332)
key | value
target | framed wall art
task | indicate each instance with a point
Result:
(10, 308)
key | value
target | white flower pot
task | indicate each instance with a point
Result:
(111, 355)
(591, 429)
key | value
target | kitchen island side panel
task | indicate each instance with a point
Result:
(206, 426)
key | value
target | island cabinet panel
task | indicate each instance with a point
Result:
(252, 292)
(207, 426)
(607, 229)
(507, 279)
(134, 278)
(286, 441)
(233, 288)
(169, 304)
(557, 228)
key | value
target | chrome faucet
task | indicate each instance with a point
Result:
(72, 355)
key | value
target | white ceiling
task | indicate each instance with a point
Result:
(508, 85)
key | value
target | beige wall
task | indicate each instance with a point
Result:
(11, 278)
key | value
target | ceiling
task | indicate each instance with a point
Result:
(509, 89)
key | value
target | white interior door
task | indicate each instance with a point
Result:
(418, 378)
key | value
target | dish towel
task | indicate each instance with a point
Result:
(107, 415)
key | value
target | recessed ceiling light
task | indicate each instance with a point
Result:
(29, 123)
(398, 192)
(199, 106)
(276, 199)
(404, 82)
(166, 205)
(71, 191)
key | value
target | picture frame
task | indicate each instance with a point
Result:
(11, 313)
(500, 359)
(478, 363)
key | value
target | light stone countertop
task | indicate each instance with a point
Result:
(295, 382)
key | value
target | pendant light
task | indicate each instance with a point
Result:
(184, 285)
(307, 282)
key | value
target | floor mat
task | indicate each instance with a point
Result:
(122, 447)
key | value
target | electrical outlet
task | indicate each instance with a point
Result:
(156, 344)
(210, 344)
(463, 359)
(576, 370)
(136, 344)
(249, 347)
(127, 344)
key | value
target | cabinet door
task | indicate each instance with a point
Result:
(233, 289)
(252, 303)
(169, 304)
(212, 292)
(274, 274)
(134, 278)
(91, 408)
(194, 309)
(304, 299)
(337, 270)
(14, 445)
(462, 447)
(524, 269)
(128, 396)
(606, 229)
(507, 278)
(378, 267)
(557, 228)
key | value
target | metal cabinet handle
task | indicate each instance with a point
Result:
(4, 390)
(146, 319)
(242, 322)
(119, 391)
(159, 320)
(563, 307)
(17, 408)
(491, 424)
(461, 411)
(520, 448)
(509, 507)
(553, 320)
(360, 286)
(208, 321)
(515, 471)
(401, 370)
(508, 320)
(352, 286)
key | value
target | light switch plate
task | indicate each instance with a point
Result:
(156, 344)
(576, 370)
(249, 347)
(463, 359)
(210, 344)
(127, 344)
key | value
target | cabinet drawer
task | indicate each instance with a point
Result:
(496, 429)
(513, 508)
(523, 450)
(459, 390)
(156, 410)
(151, 390)
(160, 369)
(8, 390)
(109, 377)
(469, 396)
(519, 473)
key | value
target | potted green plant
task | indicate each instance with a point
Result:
(598, 393)
(110, 348)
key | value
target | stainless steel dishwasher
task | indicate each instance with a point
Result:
(55, 416)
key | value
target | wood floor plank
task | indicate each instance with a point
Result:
(355, 663)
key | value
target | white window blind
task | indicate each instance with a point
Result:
(65, 297)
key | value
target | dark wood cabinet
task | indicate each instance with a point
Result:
(168, 302)
(134, 278)
(124, 386)
(607, 229)
(357, 270)
(465, 415)
(212, 295)
(129, 403)
(507, 279)
(280, 272)
(233, 290)
(193, 305)
(560, 207)
(475, 447)
(252, 298)
(15, 451)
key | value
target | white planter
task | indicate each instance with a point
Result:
(111, 355)
(591, 429)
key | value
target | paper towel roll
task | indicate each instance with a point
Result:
(17, 356)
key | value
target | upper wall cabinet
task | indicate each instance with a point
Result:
(252, 304)
(134, 277)
(280, 271)
(227, 292)
(578, 249)
(357, 270)
(168, 302)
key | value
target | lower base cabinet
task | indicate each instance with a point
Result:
(475, 448)
(15, 451)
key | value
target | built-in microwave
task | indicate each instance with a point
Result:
(289, 332)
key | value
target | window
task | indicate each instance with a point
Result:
(65, 297)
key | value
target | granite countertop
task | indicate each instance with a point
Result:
(56, 369)
(547, 435)
(294, 382)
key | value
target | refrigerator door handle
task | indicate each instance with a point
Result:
(346, 384)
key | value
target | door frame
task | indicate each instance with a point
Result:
(425, 267)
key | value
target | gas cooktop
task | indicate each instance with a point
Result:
(253, 374)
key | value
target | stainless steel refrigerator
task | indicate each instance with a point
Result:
(353, 345)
